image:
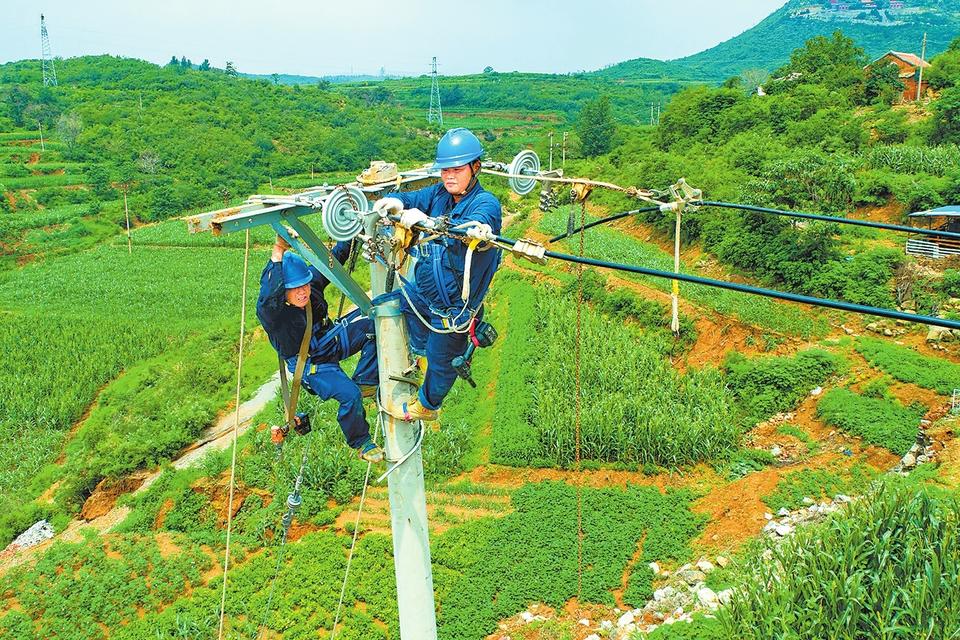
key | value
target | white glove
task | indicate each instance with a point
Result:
(412, 217)
(385, 206)
(481, 232)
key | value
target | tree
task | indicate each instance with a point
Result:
(946, 117)
(596, 127)
(835, 62)
(204, 66)
(230, 69)
(69, 126)
(488, 69)
(275, 77)
(882, 83)
(173, 62)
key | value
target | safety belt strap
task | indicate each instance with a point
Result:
(290, 397)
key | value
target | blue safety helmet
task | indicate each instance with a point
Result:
(296, 273)
(456, 148)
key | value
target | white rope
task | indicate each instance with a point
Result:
(236, 429)
(356, 531)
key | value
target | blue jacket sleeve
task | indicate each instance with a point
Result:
(420, 199)
(486, 209)
(272, 291)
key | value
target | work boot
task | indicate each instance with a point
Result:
(370, 452)
(416, 411)
(368, 390)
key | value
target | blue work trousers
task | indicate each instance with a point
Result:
(439, 348)
(324, 377)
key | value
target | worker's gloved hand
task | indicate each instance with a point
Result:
(481, 232)
(385, 206)
(412, 217)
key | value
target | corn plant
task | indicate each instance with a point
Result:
(887, 569)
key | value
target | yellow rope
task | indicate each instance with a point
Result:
(236, 429)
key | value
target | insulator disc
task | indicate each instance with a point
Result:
(340, 219)
(524, 163)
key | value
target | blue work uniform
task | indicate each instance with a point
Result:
(330, 342)
(437, 286)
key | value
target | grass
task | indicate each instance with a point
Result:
(796, 432)
(817, 484)
(906, 365)
(611, 245)
(117, 311)
(886, 423)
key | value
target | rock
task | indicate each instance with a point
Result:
(705, 566)
(923, 459)
(816, 391)
(874, 326)
(783, 511)
(527, 617)
(655, 568)
(842, 498)
(722, 561)
(692, 576)
(888, 333)
(783, 530)
(708, 598)
(768, 516)
(908, 461)
(808, 500)
(775, 451)
(662, 594)
(583, 622)
(725, 596)
(606, 625)
(39, 532)
(767, 555)
(770, 526)
(947, 336)
(625, 619)
(592, 636)
(936, 334)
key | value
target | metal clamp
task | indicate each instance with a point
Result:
(530, 250)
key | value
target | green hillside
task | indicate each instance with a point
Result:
(768, 45)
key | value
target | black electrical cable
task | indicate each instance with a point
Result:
(616, 216)
(813, 216)
(743, 288)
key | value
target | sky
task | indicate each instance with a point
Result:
(320, 37)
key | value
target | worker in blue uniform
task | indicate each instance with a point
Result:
(287, 286)
(441, 308)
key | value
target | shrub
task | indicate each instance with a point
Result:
(882, 422)
(769, 385)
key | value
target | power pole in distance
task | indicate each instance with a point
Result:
(435, 115)
(49, 70)
(923, 54)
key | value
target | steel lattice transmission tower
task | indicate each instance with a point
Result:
(436, 112)
(49, 70)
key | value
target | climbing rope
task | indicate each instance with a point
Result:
(356, 531)
(236, 429)
(577, 356)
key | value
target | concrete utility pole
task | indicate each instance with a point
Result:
(551, 151)
(40, 129)
(127, 212)
(408, 503)
(563, 161)
(923, 54)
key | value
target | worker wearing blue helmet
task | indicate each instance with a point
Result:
(287, 286)
(439, 306)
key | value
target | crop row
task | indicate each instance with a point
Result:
(636, 408)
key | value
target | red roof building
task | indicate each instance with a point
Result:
(909, 65)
